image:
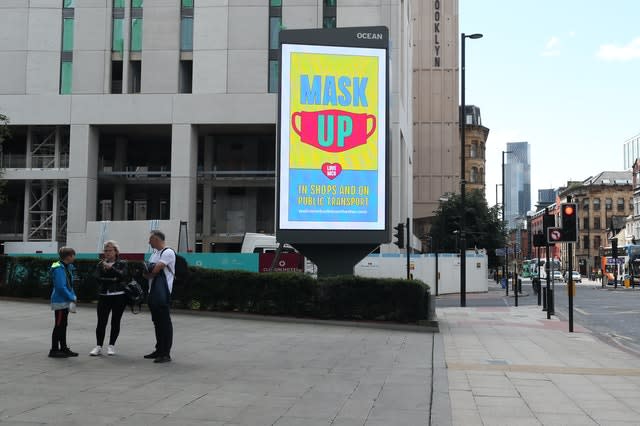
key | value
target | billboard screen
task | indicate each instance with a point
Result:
(333, 135)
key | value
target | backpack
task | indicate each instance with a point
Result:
(181, 273)
(135, 295)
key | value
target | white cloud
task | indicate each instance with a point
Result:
(552, 47)
(612, 52)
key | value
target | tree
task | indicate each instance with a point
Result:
(4, 135)
(483, 227)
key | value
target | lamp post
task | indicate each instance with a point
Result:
(505, 268)
(463, 242)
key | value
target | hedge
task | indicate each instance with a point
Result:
(289, 294)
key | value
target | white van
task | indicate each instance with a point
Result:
(254, 242)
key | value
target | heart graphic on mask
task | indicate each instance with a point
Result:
(331, 170)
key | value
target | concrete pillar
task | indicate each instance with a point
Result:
(83, 180)
(207, 190)
(119, 189)
(184, 159)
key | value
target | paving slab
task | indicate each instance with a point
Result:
(225, 371)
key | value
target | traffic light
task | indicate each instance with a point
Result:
(539, 240)
(569, 223)
(399, 235)
(614, 247)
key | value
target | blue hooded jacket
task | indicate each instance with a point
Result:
(62, 279)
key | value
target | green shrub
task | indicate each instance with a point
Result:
(290, 294)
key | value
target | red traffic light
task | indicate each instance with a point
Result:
(569, 210)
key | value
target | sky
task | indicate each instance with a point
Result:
(563, 75)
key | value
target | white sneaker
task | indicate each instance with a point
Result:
(96, 351)
(111, 350)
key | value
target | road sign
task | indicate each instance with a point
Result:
(554, 235)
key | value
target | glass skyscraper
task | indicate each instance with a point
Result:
(517, 183)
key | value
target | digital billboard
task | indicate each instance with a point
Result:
(333, 143)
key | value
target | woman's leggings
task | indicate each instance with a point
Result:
(59, 334)
(116, 305)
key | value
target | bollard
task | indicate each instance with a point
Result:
(543, 290)
(550, 307)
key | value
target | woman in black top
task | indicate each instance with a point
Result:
(112, 274)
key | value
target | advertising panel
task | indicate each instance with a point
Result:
(333, 137)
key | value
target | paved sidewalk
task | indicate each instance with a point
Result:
(225, 372)
(511, 366)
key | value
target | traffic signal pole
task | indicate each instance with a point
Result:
(408, 250)
(571, 287)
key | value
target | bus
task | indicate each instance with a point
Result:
(537, 266)
(528, 266)
(615, 268)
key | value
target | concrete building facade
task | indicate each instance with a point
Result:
(165, 110)
(604, 202)
(436, 131)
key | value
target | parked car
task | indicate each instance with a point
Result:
(557, 276)
(577, 278)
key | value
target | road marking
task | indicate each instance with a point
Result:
(619, 336)
(582, 311)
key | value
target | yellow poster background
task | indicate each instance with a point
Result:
(304, 156)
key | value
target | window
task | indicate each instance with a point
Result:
(118, 3)
(596, 222)
(474, 149)
(136, 3)
(116, 76)
(136, 34)
(329, 22)
(585, 223)
(187, 3)
(186, 34)
(597, 242)
(66, 77)
(66, 54)
(275, 22)
(474, 175)
(329, 17)
(274, 76)
(596, 204)
(275, 25)
(117, 39)
(620, 204)
(585, 204)
(585, 242)
(608, 204)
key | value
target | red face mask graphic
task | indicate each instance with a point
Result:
(333, 130)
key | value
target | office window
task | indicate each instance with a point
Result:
(585, 204)
(329, 22)
(474, 175)
(474, 149)
(330, 3)
(136, 34)
(135, 76)
(596, 204)
(68, 3)
(585, 242)
(116, 76)
(620, 204)
(67, 35)
(66, 77)
(585, 223)
(118, 3)
(117, 39)
(186, 34)
(187, 3)
(136, 3)
(596, 223)
(597, 242)
(275, 23)
(273, 76)
(276, 3)
(186, 76)
(608, 204)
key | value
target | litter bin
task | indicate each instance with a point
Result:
(627, 282)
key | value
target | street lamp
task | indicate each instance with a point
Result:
(505, 268)
(463, 243)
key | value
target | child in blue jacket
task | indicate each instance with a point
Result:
(62, 298)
